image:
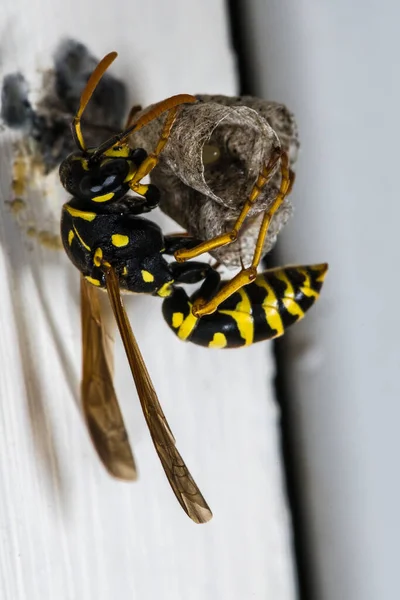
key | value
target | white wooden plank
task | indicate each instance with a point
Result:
(68, 530)
(338, 69)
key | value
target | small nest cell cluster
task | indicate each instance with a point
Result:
(213, 157)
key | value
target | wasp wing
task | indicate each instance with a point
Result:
(182, 483)
(100, 404)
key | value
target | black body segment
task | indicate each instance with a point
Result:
(260, 311)
(121, 240)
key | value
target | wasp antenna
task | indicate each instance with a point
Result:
(156, 111)
(87, 94)
(153, 113)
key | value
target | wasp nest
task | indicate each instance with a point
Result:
(207, 169)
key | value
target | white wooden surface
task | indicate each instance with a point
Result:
(68, 531)
(337, 65)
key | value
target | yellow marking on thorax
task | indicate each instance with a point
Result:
(219, 341)
(288, 300)
(93, 281)
(98, 257)
(80, 214)
(147, 276)
(165, 290)
(243, 317)
(177, 319)
(119, 241)
(271, 307)
(71, 236)
(83, 162)
(118, 151)
(188, 324)
(103, 198)
(80, 239)
(125, 271)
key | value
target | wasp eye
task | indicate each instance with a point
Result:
(104, 178)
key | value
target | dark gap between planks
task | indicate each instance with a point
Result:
(247, 81)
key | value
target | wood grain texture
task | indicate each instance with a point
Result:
(69, 531)
(339, 73)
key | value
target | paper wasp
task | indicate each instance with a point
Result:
(116, 249)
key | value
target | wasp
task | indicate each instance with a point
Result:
(115, 248)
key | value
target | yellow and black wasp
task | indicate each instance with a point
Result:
(115, 248)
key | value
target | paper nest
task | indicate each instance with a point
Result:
(205, 199)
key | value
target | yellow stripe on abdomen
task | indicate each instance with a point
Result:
(188, 324)
(289, 297)
(307, 288)
(219, 341)
(242, 317)
(271, 306)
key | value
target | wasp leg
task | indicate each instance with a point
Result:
(177, 307)
(192, 272)
(169, 106)
(134, 110)
(231, 236)
(152, 159)
(247, 275)
(138, 155)
(208, 288)
(137, 206)
(151, 193)
(292, 177)
(177, 241)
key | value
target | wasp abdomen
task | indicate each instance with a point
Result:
(260, 311)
